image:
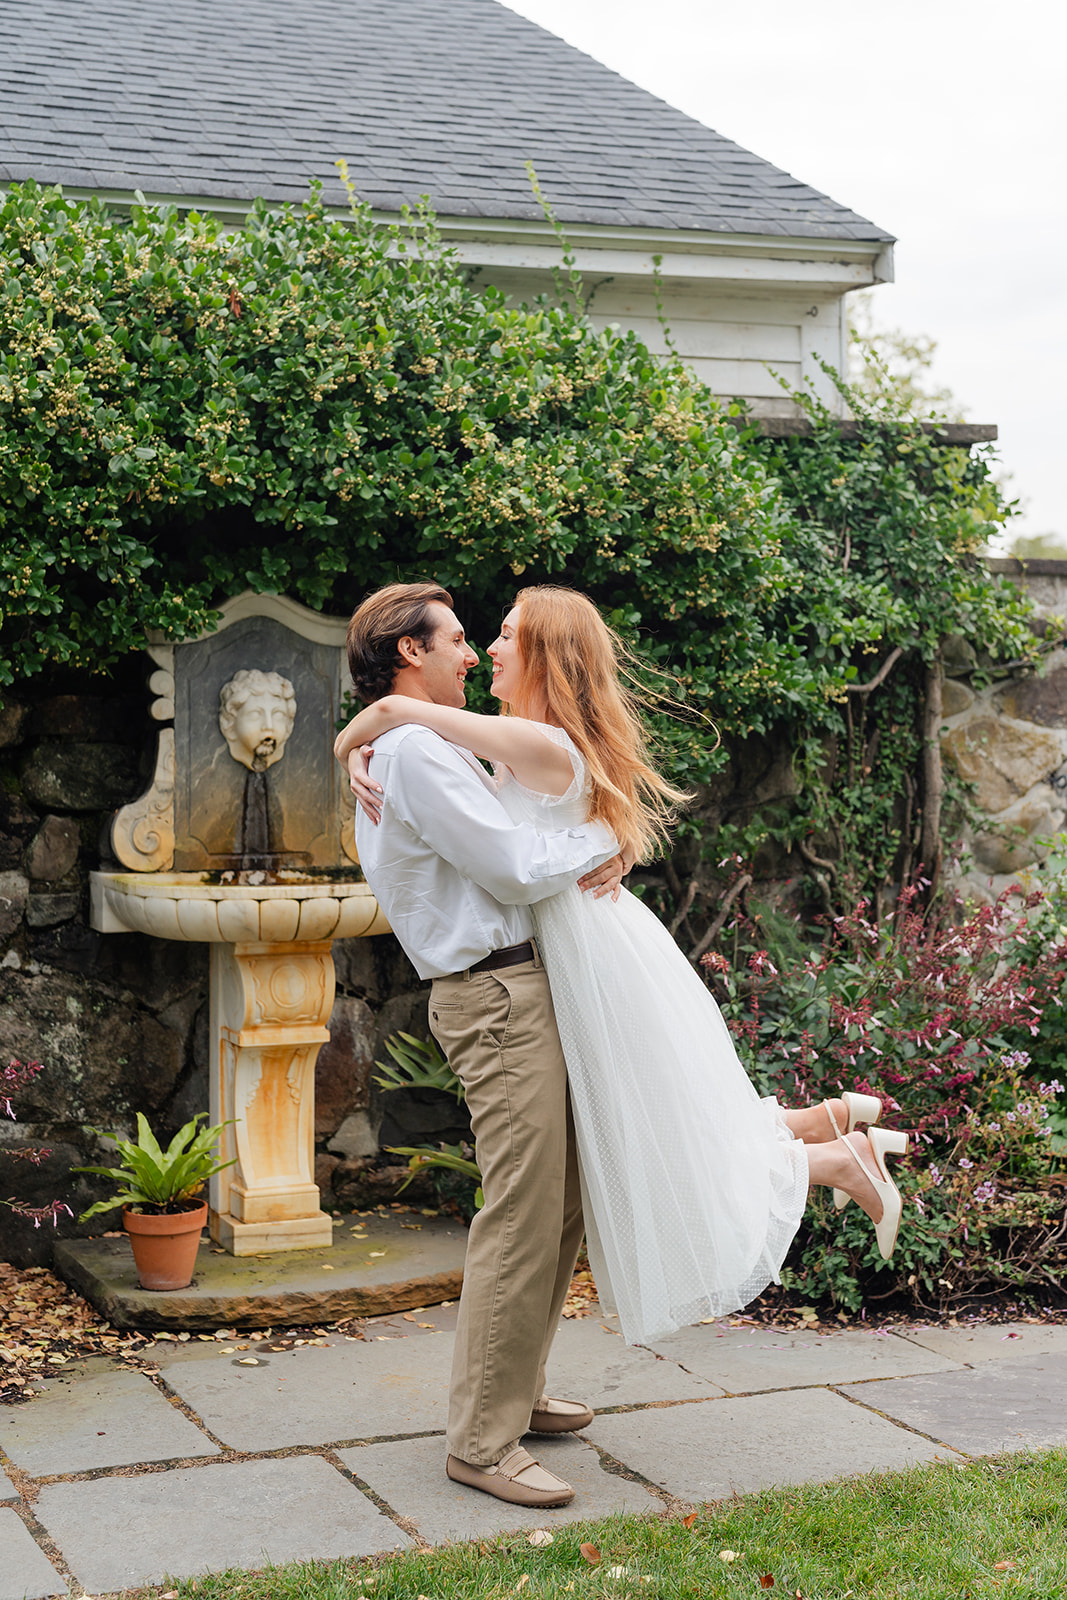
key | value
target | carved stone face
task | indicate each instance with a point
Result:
(256, 715)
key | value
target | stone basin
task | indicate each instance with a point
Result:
(279, 908)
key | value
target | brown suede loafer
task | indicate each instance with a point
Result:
(559, 1416)
(516, 1477)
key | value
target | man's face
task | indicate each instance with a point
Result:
(445, 666)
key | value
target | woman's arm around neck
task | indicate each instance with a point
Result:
(534, 759)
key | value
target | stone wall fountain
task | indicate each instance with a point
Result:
(245, 840)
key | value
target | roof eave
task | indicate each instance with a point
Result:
(839, 262)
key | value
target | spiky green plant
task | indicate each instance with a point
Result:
(154, 1178)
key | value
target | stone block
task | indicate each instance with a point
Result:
(54, 851)
(338, 1394)
(390, 1263)
(1003, 759)
(50, 910)
(324, 1168)
(14, 891)
(991, 1341)
(196, 1520)
(25, 1571)
(1039, 699)
(112, 1419)
(354, 1138)
(343, 1068)
(1020, 828)
(409, 1475)
(81, 777)
(102, 1057)
(956, 697)
(747, 1360)
(17, 827)
(90, 718)
(1000, 1405)
(590, 1362)
(12, 722)
(720, 1448)
(355, 961)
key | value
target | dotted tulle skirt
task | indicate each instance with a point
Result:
(693, 1185)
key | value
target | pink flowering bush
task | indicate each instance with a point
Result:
(928, 1013)
(14, 1077)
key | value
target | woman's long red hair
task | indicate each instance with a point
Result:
(580, 665)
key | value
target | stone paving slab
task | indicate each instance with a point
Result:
(111, 1420)
(410, 1476)
(178, 1524)
(320, 1394)
(590, 1362)
(393, 1262)
(750, 1360)
(999, 1405)
(7, 1488)
(25, 1571)
(719, 1448)
(991, 1341)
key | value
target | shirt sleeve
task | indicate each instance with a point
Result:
(440, 797)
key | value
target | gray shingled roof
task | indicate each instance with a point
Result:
(237, 98)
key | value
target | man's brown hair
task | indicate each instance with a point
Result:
(399, 611)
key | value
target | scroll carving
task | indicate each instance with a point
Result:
(142, 833)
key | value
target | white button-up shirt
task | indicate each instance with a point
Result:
(449, 868)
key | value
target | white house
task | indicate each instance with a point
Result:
(213, 104)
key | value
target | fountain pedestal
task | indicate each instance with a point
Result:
(269, 1008)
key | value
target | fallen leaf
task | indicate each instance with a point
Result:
(1003, 1566)
(540, 1536)
(591, 1554)
(523, 1581)
(377, 1252)
(766, 1581)
(687, 1522)
(426, 1325)
(325, 1266)
(247, 1361)
(408, 1317)
(171, 1594)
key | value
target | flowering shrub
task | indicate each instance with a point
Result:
(14, 1077)
(925, 1014)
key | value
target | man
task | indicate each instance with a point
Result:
(455, 876)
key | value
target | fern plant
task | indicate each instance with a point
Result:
(156, 1180)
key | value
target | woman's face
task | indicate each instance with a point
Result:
(506, 657)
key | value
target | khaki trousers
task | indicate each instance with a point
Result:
(499, 1033)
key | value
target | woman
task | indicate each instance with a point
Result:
(694, 1186)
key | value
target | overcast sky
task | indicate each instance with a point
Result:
(941, 121)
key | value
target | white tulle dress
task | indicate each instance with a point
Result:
(693, 1185)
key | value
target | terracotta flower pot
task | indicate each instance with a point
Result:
(165, 1246)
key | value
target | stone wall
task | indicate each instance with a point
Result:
(1008, 742)
(120, 1020)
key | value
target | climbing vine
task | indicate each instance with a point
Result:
(317, 406)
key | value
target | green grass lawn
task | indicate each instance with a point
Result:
(992, 1528)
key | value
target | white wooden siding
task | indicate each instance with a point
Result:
(735, 339)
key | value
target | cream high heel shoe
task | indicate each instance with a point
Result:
(883, 1142)
(861, 1108)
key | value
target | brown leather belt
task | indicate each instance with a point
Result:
(513, 956)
